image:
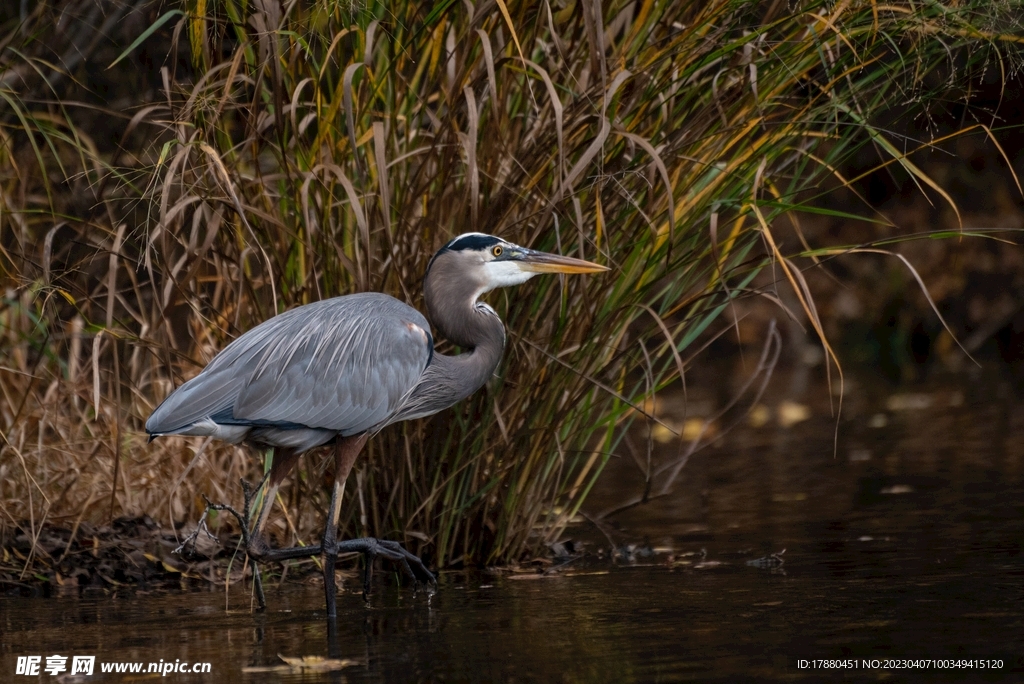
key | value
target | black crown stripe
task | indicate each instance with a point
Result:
(471, 242)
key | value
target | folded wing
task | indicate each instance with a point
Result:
(344, 364)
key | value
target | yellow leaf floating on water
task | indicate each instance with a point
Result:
(697, 427)
(790, 413)
(909, 402)
(691, 429)
(662, 434)
(534, 576)
(306, 664)
(759, 416)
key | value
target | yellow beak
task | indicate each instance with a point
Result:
(542, 262)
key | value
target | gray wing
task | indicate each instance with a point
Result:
(342, 364)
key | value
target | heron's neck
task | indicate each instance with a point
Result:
(454, 311)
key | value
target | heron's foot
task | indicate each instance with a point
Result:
(391, 550)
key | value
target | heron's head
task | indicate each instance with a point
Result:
(485, 262)
(473, 264)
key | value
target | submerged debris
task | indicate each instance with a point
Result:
(772, 561)
(632, 552)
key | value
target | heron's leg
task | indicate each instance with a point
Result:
(344, 456)
(347, 450)
(283, 463)
(256, 546)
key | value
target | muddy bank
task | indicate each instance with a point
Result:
(129, 554)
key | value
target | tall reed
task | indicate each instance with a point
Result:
(304, 150)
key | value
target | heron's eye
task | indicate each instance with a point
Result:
(497, 250)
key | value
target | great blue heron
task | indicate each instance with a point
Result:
(341, 369)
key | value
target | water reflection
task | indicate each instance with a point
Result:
(901, 541)
(641, 624)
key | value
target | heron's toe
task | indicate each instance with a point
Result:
(412, 564)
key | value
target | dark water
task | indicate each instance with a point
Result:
(902, 544)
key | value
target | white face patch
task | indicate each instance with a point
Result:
(504, 274)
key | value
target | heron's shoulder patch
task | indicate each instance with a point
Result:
(425, 338)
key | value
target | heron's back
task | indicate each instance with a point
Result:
(339, 366)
